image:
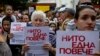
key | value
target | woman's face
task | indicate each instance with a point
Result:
(86, 19)
(6, 25)
(38, 21)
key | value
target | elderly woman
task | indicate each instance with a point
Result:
(38, 20)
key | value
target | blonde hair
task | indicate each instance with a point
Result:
(65, 21)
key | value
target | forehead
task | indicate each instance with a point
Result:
(38, 17)
(25, 16)
(8, 7)
(87, 11)
(6, 22)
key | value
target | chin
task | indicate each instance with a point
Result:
(89, 29)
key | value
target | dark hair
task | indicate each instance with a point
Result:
(52, 24)
(80, 8)
(70, 11)
(7, 18)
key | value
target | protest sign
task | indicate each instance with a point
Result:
(18, 30)
(77, 43)
(36, 37)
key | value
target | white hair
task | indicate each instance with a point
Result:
(37, 14)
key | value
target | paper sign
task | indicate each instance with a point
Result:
(77, 43)
(36, 37)
(18, 30)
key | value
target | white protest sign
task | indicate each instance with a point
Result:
(18, 30)
(36, 37)
(77, 43)
(31, 9)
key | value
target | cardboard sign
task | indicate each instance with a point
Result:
(77, 43)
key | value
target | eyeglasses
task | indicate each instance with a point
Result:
(86, 3)
(83, 5)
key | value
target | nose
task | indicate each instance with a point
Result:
(38, 22)
(6, 26)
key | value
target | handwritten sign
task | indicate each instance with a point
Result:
(77, 43)
(18, 30)
(35, 38)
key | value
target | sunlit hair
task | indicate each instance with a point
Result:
(65, 22)
(37, 14)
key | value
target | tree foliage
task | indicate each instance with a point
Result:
(17, 4)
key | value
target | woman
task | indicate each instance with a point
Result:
(38, 20)
(4, 48)
(85, 20)
(6, 23)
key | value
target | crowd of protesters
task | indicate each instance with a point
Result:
(85, 18)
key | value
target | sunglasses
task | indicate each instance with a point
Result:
(86, 3)
(89, 4)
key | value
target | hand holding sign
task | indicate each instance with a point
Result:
(97, 54)
(10, 35)
(47, 46)
(36, 38)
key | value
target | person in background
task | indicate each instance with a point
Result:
(6, 24)
(61, 17)
(47, 22)
(85, 20)
(25, 18)
(4, 48)
(18, 15)
(1, 14)
(64, 25)
(25, 12)
(9, 12)
(69, 21)
(53, 26)
(50, 15)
